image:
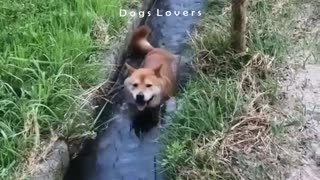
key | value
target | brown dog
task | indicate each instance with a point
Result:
(155, 81)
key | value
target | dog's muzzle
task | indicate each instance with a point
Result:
(141, 103)
(140, 99)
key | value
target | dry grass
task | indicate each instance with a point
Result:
(236, 141)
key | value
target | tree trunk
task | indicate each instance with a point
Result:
(238, 31)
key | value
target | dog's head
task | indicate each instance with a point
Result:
(145, 86)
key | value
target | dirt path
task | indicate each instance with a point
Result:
(301, 89)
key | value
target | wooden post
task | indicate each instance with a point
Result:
(238, 31)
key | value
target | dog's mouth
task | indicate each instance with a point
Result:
(141, 105)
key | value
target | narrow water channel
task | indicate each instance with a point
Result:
(117, 153)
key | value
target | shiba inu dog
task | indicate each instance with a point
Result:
(155, 81)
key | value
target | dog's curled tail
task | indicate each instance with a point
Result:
(139, 41)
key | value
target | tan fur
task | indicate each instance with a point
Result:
(156, 79)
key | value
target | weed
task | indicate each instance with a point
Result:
(224, 111)
(206, 108)
(46, 62)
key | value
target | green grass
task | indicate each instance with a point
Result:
(214, 99)
(207, 104)
(46, 61)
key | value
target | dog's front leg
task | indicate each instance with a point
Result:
(170, 107)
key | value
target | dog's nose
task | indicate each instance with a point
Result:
(140, 97)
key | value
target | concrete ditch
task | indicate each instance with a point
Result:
(117, 152)
(56, 162)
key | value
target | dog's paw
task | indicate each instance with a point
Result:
(171, 105)
(160, 125)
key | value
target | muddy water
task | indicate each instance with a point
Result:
(118, 153)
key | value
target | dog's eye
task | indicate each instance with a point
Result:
(149, 85)
(135, 85)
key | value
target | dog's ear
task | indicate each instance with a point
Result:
(130, 68)
(157, 71)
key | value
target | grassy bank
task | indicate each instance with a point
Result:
(223, 114)
(47, 60)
